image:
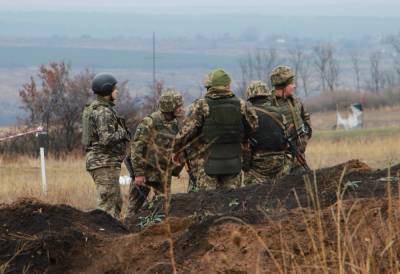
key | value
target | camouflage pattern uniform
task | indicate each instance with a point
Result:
(265, 163)
(105, 150)
(193, 162)
(151, 151)
(192, 132)
(291, 107)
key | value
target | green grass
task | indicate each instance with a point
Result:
(355, 135)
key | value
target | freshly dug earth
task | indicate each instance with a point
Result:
(38, 238)
(270, 228)
(352, 179)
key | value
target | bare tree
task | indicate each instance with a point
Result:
(355, 62)
(246, 73)
(327, 66)
(127, 106)
(305, 75)
(296, 59)
(376, 81)
(150, 103)
(256, 66)
(389, 79)
(332, 76)
(394, 40)
(57, 104)
(321, 63)
(300, 62)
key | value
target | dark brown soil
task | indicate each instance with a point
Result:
(290, 192)
(40, 237)
(270, 228)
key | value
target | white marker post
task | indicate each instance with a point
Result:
(42, 138)
(43, 168)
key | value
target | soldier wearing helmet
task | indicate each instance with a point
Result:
(218, 125)
(290, 106)
(257, 89)
(267, 157)
(105, 137)
(151, 151)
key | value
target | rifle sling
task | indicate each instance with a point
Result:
(271, 116)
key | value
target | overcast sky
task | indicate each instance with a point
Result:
(380, 8)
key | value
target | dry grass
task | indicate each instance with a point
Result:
(69, 183)
(378, 148)
(373, 118)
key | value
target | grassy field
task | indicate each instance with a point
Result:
(373, 118)
(69, 183)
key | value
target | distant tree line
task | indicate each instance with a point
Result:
(55, 98)
(320, 68)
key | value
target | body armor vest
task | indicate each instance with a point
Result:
(223, 132)
(271, 132)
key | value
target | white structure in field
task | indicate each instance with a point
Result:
(353, 120)
(125, 180)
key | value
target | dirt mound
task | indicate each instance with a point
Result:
(352, 179)
(39, 237)
(279, 226)
(295, 241)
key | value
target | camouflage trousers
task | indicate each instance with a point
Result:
(205, 182)
(138, 196)
(193, 168)
(108, 191)
(267, 166)
(228, 181)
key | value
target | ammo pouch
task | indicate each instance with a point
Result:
(87, 125)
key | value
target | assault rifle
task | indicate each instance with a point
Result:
(192, 186)
(129, 166)
(294, 150)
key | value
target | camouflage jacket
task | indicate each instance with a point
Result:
(151, 148)
(191, 132)
(296, 114)
(303, 116)
(108, 138)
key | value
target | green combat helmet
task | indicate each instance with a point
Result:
(282, 76)
(217, 78)
(257, 89)
(170, 100)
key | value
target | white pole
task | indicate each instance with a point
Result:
(43, 168)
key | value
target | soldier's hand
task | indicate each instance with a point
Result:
(140, 180)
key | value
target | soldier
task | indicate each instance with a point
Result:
(219, 124)
(268, 159)
(104, 137)
(283, 97)
(192, 161)
(151, 151)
